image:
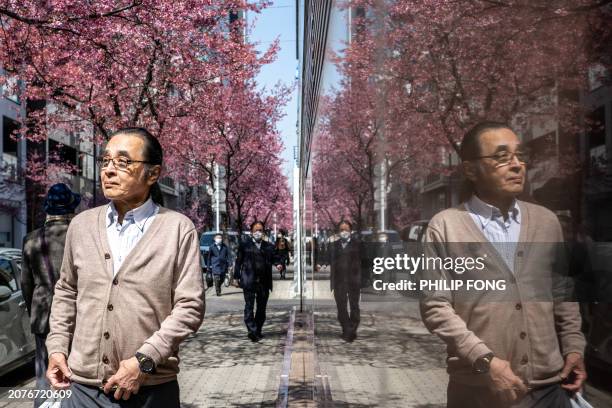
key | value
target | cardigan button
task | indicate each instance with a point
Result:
(110, 308)
(524, 360)
(115, 281)
(105, 359)
(107, 256)
(523, 335)
(106, 335)
(518, 306)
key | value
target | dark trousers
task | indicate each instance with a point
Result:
(258, 295)
(40, 366)
(164, 395)
(349, 322)
(217, 279)
(463, 396)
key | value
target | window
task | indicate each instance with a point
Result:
(86, 166)
(9, 127)
(541, 148)
(11, 90)
(67, 154)
(598, 158)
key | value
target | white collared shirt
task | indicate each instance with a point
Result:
(502, 233)
(344, 243)
(257, 244)
(122, 238)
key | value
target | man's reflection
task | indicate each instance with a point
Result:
(345, 278)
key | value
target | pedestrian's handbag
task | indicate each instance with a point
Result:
(578, 401)
(209, 278)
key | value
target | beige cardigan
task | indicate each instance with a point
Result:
(521, 324)
(155, 301)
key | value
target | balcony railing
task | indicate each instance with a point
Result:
(433, 177)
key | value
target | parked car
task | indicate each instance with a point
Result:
(17, 344)
(415, 232)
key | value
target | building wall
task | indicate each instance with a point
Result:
(12, 189)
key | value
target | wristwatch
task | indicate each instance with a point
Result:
(146, 363)
(482, 364)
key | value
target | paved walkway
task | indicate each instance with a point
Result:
(221, 367)
(394, 362)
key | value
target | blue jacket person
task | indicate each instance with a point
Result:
(218, 260)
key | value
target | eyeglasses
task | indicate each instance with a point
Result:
(505, 158)
(120, 163)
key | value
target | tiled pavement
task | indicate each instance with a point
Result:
(220, 367)
(395, 362)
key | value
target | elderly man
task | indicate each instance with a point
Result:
(130, 288)
(518, 347)
(43, 250)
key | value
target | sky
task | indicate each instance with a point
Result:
(278, 21)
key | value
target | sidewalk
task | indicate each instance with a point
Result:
(394, 362)
(221, 367)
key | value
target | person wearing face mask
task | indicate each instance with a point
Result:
(345, 279)
(218, 261)
(253, 271)
(282, 249)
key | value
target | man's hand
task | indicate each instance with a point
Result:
(509, 387)
(127, 379)
(279, 267)
(573, 373)
(58, 372)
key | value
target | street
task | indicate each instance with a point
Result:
(394, 362)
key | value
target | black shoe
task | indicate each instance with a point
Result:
(218, 293)
(253, 337)
(260, 336)
(344, 336)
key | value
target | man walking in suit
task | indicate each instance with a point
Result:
(345, 279)
(218, 261)
(43, 250)
(253, 270)
(283, 249)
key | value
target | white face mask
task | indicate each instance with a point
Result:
(345, 234)
(218, 241)
(257, 235)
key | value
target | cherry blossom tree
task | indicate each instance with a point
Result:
(181, 69)
(417, 74)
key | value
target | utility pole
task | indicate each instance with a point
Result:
(217, 200)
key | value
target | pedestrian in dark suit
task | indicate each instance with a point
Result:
(253, 271)
(218, 261)
(283, 248)
(43, 250)
(345, 278)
